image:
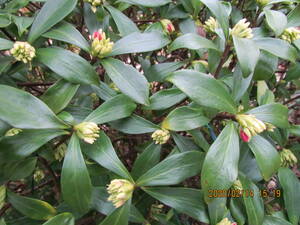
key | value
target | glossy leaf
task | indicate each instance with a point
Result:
(30, 207)
(51, 13)
(184, 200)
(146, 160)
(272, 220)
(124, 24)
(118, 217)
(220, 167)
(140, 42)
(290, 185)
(22, 23)
(247, 54)
(266, 66)
(23, 110)
(254, 205)
(5, 44)
(274, 113)
(68, 33)
(185, 118)
(20, 170)
(276, 20)
(293, 17)
(68, 65)
(266, 156)
(203, 89)
(113, 109)
(75, 180)
(193, 42)
(61, 219)
(128, 80)
(173, 169)
(25, 143)
(146, 3)
(104, 154)
(59, 95)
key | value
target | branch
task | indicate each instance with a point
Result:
(223, 60)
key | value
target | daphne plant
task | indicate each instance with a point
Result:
(242, 29)
(161, 136)
(167, 26)
(88, 131)
(120, 191)
(23, 51)
(211, 25)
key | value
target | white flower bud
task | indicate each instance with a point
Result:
(13, 132)
(88, 131)
(242, 30)
(211, 25)
(120, 190)
(290, 34)
(101, 46)
(23, 51)
(161, 136)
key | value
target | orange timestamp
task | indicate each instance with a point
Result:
(236, 193)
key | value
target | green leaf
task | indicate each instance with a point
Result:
(147, 3)
(277, 47)
(165, 99)
(113, 109)
(68, 65)
(128, 80)
(158, 72)
(59, 95)
(104, 154)
(272, 220)
(203, 89)
(220, 12)
(51, 13)
(5, 44)
(290, 185)
(75, 180)
(118, 217)
(23, 110)
(266, 66)
(254, 205)
(25, 143)
(185, 118)
(220, 167)
(173, 169)
(140, 42)
(266, 156)
(30, 207)
(193, 42)
(247, 54)
(237, 210)
(294, 17)
(275, 113)
(61, 219)
(184, 143)
(134, 125)
(5, 20)
(22, 23)
(68, 33)
(20, 170)
(125, 25)
(264, 94)
(217, 210)
(276, 20)
(146, 160)
(184, 200)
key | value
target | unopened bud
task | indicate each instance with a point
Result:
(38, 175)
(161, 136)
(225, 221)
(60, 152)
(168, 26)
(2, 195)
(119, 190)
(262, 2)
(94, 4)
(101, 46)
(242, 29)
(88, 131)
(288, 159)
(290, 34)
(114, 87)
(211, 25)
(13, 132)
(23, 51)
(245, 134)
(237, 185)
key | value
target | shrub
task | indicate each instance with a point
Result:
(149, 112)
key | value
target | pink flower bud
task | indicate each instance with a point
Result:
(234, 223)
(170, 28)
(97, 35)
(244, 136)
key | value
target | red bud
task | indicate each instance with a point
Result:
(244, 136)
(97, 35)
(170, 28)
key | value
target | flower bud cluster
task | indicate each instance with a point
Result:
(95, 4)
(88, 131)
(161, 136)
(60, 152)
(288, 159)
(262, 2)
(226, 221)
(120, 190)
(13, 132)
(242, 29)
(23, 51)
(168, 26)
(251, 126)
(290, 34)
(101, 46)
(211, 25)
(38, 175)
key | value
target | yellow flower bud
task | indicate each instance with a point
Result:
(23, 51)
(161, 136)
(114, 87)
(13, 132)
(88, 131)
(2, 195)
(211, 25)
(60, 152)
(95, 4)
(168, 26)
(290, 34)
(38, 175)
(101, 46)
(262, 2)
(288, 159)
(237, 185)
(242, 30)
(225, 221)
(119, 190)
